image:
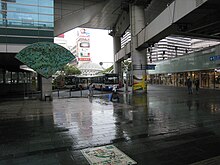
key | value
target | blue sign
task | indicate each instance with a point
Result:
(214, 58)
(150, 67)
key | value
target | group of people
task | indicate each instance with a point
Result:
(189, 84)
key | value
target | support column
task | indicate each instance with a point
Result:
(117, 64)
(46, 89)
(138, 57)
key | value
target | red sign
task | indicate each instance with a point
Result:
(61, 36)
(83, 59)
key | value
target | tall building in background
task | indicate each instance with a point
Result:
(169, 47)
(82, 48)
(60, 40)
(22, 22)
(199, 44)
(82, 52)
(25, 22)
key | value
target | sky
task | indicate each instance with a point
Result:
(101, 45)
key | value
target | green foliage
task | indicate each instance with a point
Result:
(71, 70)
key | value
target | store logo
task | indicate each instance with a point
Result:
(214, 58)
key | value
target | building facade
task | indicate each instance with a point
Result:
(82, 47)
(22, 22)
(169, 47)
(203, 65)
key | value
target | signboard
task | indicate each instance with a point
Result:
(214, 58)
(83, 45)
(84, 59)
(150, 67)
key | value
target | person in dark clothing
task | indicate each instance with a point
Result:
(189, 85)
(114, 96)
(197, 85)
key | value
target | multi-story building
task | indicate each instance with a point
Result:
(82, 48)
(22, 22)
(169, 47)
(166, 48)
(199, 44)
(60, 40)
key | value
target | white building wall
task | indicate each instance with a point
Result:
(169, 47)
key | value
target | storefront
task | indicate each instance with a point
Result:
(202, 65)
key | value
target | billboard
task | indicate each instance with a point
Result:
(83, 45)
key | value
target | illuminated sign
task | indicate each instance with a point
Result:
(214, 58)
(150, 67)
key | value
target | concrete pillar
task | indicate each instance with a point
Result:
(117, 65)
(46, 89)
(138, 57)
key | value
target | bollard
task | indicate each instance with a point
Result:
(81, 92)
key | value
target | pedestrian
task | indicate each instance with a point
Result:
(189, 85)
(90, 90)
(114, 96)
(197, 85)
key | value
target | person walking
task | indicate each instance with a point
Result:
(90, 90)
(197, 85)
(114, 96)
(189, 85)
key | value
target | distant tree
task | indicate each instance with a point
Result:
(71, 70)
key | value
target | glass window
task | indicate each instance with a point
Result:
(21, 77)
(32, 2)
(1, 78)
(14, 78)
(24, 17)
(46, 10)
(21, 8)
(46, 18)
(46, 3)
(49, 25)
(8, 77)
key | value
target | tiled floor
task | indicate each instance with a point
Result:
(165, 126)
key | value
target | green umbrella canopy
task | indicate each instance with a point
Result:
(45, 58)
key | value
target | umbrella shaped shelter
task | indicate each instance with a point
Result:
(45, 58)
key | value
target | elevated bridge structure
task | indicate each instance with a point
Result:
(148, 20)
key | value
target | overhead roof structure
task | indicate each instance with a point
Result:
(98, 14)
(105, 14)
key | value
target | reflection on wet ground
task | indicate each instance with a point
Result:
(165, 126)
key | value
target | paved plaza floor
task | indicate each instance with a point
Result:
(166, 126)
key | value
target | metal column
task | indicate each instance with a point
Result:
(138, 57)
(117, 65)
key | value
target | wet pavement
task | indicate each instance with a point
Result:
(165, 126)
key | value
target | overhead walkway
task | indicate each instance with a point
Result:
(185, 18)
(167, 126)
